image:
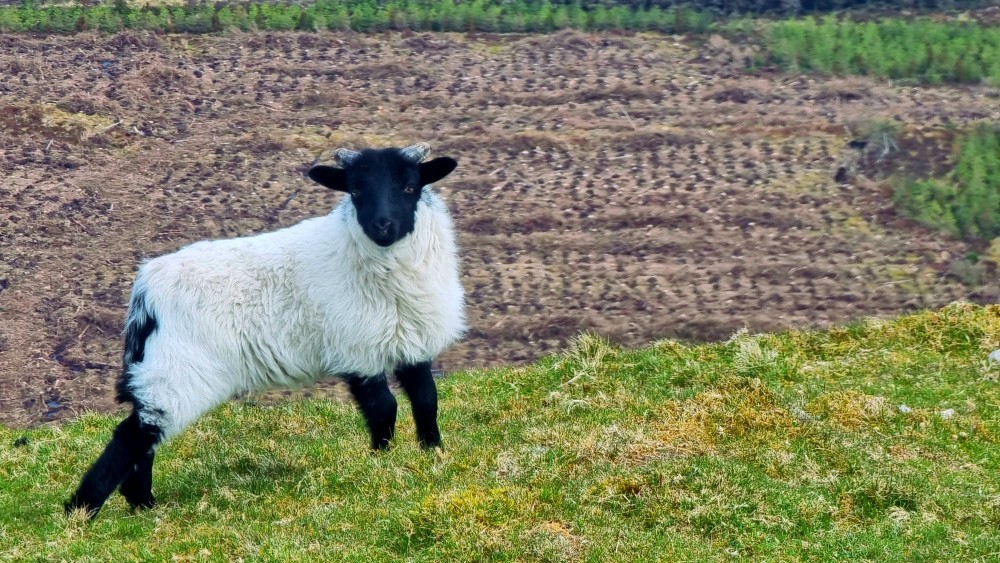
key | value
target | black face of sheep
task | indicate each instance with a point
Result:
(385, 186)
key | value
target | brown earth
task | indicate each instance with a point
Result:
(639, 187)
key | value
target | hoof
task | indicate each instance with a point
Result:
(431, 443)
(142, 503)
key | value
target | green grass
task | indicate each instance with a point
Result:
(966, 202)
(786, 446)
(921, 49)
(533, 16)
(918, 48)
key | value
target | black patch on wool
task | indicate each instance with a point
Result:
(136, 333)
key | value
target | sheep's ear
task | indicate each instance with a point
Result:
(436, 169)
(333, 178)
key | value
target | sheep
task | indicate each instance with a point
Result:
(370, 290)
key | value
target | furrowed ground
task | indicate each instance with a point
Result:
(873, 442)
(640, 187)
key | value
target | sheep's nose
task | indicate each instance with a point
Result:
(383, 224)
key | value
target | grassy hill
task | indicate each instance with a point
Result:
(876, 441)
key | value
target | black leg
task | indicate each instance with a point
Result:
(419, 385)
(130, 443)
(378, 405)
(138, 486)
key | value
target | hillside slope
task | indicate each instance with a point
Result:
(876, 441)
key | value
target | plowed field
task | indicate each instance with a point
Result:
(640, 187)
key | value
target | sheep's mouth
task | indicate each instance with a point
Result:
(385, 236)
(383, 239)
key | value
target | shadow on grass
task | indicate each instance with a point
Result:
(227, 479)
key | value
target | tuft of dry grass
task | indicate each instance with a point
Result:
(851, 409)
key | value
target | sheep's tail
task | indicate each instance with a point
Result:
(139, 324)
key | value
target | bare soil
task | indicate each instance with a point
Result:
(638, 186)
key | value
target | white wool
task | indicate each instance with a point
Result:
(287, 307)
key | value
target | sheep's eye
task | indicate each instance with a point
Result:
(355, 193)
(409, 189)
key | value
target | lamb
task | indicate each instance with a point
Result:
(369, 290)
